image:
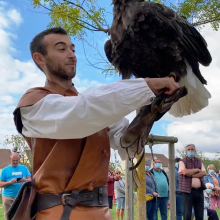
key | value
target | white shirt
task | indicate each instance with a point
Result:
(72, 117)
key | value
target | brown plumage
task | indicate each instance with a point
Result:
(150, 40)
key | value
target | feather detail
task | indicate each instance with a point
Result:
(195, 100)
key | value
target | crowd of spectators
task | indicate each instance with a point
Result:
(197, 191)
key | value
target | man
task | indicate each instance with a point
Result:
(191, 184)
(111, 179)
(11, 179)
(120, 195)
(162, 187)
(179, 202)
(71, 133)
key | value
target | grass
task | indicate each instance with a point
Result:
(1, 212)
(113, 212)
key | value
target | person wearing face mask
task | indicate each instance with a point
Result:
(151, 191)
(212, 178)
(163, 187)
(209, 214)
(179, 202)
(191, 184)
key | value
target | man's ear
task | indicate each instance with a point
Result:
(39, 59)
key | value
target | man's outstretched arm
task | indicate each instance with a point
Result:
(60, 117)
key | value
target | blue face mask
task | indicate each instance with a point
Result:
(211, 171)
(177, 165)
(158, 165)
(190, 154)
(147, 168)
(208, 191)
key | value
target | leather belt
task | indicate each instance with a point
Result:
(97, 197)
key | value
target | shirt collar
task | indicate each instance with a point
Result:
(60, 90)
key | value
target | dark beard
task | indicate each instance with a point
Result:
(57, 70)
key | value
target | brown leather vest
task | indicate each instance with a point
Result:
(64, 165)
(185, 183)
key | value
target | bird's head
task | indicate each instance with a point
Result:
(108, 50)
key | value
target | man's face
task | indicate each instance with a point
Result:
(190, 148)
(156, 161)
(60, 60)
(14, 160)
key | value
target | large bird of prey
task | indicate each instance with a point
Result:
(150, 40)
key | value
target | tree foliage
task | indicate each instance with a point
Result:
(20, 145)
(201, 12)
(77, 16)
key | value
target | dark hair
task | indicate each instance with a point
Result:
(177, 159)
(37, 44)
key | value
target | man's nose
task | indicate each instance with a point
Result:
(72, 54)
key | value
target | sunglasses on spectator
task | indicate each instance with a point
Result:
(118, 173)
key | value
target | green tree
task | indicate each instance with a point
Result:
(20, 145)
(80, 15)
(200, 12)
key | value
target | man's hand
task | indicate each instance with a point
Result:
(216, 188)
(200, 174)
(155, 194)
(22, 180)
(190, 172)
(13, 180)
(158, 84)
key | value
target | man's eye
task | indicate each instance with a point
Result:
(62, 49)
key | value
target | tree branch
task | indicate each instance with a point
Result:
(93, 64)
(90, 16)
(205, 21)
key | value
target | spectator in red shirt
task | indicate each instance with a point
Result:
(111, 179)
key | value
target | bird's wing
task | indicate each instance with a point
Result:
(145, 27)
(191, 43)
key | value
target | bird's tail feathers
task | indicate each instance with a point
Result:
(195, 100)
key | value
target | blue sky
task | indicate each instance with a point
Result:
(20, 22)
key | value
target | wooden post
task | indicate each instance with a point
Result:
(141, 199)
(141, 194)
(172, 184)
(129, 198)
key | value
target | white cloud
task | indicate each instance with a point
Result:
(6, 100)
(15, 16)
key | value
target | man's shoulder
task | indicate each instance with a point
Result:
(152, 170)
(5, 169)
(198, 159)
(32, 96)
(21, 166)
